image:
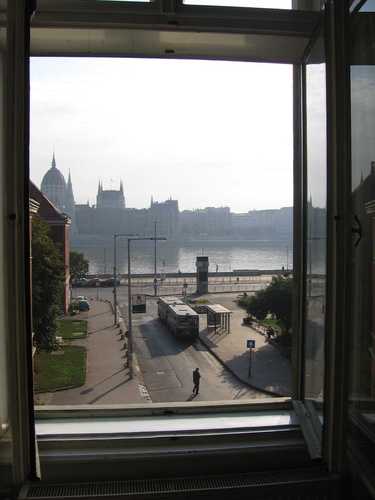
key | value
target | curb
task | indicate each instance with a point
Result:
(141, 383)
(65, 388)
(240, 379)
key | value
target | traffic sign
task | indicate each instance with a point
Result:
(250, 344)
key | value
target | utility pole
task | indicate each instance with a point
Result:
(115, 236)
(115, 276)
(155, 278)
(130, 330)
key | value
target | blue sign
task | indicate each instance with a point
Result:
(250, 344)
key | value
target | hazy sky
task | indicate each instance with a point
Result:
(208, 133)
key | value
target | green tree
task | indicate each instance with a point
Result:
(47, 285)
(257, 305)
(78, 265)
(276, 299)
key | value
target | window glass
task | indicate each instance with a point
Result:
(315, 222)
(362, 348)
(368, 6)
(198, 154)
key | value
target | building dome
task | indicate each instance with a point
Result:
(53, 177)
(53, 186)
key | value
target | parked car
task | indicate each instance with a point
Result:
(83, 305)
(110, 282)
(92, 282)
(79, 282)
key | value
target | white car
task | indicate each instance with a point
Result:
(81, 297)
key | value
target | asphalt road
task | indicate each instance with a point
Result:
(172, 287)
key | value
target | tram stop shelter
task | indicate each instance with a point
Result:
(218, 317)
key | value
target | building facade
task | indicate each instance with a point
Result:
(110, 215)
(59, 224)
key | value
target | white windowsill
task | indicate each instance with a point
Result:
(219, 422)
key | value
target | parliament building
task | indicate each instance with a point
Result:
(109, 215)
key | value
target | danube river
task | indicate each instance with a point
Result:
(172, 257)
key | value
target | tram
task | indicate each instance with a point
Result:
(180, 319)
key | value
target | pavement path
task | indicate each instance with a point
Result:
(107, 378)
(270, 372)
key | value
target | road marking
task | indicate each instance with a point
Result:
(144, 392)
(160, 373)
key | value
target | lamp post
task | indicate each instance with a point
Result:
(130, 331)
(155, 279)
(115, 236)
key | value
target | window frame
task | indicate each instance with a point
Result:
(227, 21)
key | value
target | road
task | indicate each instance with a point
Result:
(171, 286)
(167, 363)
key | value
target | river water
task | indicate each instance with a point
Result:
(171, 257)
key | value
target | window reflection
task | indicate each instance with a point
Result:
(362, 348)
(316, 223)
(369, 6)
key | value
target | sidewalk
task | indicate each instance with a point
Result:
(271, 371)
(107, 378)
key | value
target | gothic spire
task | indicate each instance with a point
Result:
(69, 190)
(53, 160)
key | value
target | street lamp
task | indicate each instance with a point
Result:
(130, 338)
(115, 236)
(155, 278)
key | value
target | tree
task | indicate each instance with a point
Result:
(276, 299)
(257, 305)
(78, 265)
(47, 285)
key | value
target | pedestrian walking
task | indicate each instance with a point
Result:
(196, 379)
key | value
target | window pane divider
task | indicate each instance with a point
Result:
(310, 426)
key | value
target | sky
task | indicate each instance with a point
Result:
(207, 133)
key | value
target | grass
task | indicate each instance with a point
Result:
(72, 329)
(273, 323)
(60, 369)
